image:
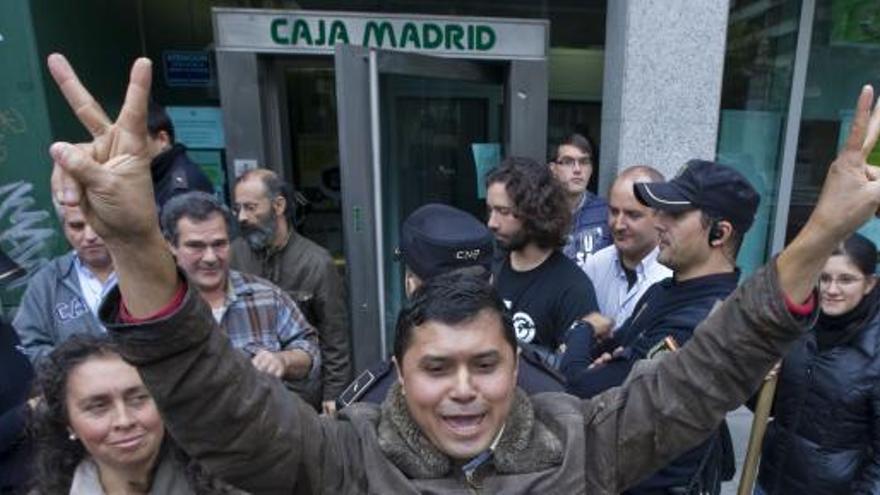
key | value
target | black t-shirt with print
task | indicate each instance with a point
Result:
(546, 300)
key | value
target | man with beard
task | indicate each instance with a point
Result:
(544, 290)
(457, 422)
(702, 216)
(437, 240)
(622, 272)
(269, 247)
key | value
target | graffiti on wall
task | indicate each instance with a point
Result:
(11, 122)
(27, 234)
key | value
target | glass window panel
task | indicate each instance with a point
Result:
(843, 57)
(758, 68)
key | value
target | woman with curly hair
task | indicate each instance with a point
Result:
(99, 432)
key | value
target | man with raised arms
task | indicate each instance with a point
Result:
(456, 420)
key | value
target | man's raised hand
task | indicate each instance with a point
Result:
(851, 192)
(109, 177)
(850, 195)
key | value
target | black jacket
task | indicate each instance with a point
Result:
(15, 379)
(668, 308)
(825, 435)
(174, 173)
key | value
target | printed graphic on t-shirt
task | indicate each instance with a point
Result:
(524, 326)
(584, 243)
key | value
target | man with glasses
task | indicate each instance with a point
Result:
(259, 318)
(573, 167)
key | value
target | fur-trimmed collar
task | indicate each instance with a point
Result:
(526, 445)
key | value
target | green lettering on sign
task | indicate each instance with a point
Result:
(301, 30)
(378, 31)
(322, 33)
(432, 36)
(454, 34)
(276, 36)
(485, 38)
(338, 33)
(410, 34)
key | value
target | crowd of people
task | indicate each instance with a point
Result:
(568, 344)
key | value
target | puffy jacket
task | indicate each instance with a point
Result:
(825, 435)
(246, 428)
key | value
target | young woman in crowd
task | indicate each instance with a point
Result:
(825, 435)
(99, 432)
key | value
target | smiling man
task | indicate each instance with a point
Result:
(622, 272)
(258, 317)
(246, 428)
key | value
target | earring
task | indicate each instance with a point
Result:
(72, 436)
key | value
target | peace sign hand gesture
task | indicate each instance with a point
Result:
(850, 195)
(851, 192)
(109, 178)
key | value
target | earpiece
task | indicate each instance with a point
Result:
(715, 232)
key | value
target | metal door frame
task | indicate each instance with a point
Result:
(357, 95)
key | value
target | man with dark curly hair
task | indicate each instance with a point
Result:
(544, 290)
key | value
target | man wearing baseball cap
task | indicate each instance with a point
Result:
(702, 216)
(437, 240)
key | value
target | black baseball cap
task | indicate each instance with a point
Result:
(438, 238)
(718, 190)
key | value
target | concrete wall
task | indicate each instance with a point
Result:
(662, 83)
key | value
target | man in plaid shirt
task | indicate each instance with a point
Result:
(259, 318)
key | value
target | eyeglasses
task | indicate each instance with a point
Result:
(570, 161)
(842, 281)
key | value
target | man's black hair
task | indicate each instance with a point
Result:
(195, 205)
(158, 120)
(451, 298)
(538, 200)
(577, 140)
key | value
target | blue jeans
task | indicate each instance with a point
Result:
(758, 490)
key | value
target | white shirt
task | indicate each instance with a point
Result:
(93, 290)
(615, 299)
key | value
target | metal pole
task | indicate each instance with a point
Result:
(756, 437)
(375, 138)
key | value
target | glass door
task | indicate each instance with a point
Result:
(407, 124)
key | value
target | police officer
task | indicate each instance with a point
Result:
(437, 239)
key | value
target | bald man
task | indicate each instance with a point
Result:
(622, 272)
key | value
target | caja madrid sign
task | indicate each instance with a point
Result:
(309, 31)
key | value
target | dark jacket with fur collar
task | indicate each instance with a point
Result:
(246, 428)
